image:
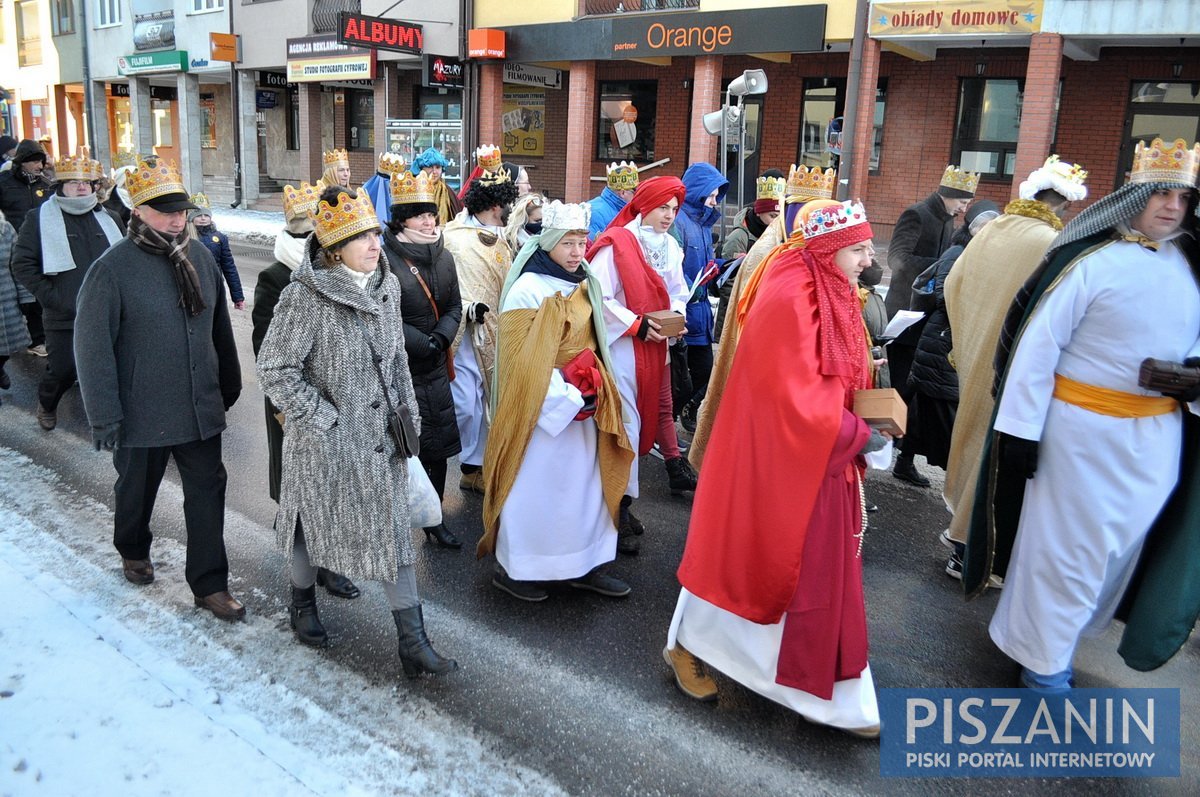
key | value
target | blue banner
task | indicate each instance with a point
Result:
(1026, 733)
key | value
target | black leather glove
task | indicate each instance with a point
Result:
(229, 400)
(434, 347)
(476, 311)
(643, 328)
(588, 409)
(107, 436)
(1019, 454)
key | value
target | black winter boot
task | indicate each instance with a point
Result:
(305, 620)
(680, 475)
(416, 653)
(906, 470)
(443, 536)
(627, 541)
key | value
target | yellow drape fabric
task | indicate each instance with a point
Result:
(1114, 403)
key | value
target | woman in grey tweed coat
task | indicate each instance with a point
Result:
(343, 502)
(14, 336)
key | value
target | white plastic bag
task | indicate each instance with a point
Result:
(424, 506)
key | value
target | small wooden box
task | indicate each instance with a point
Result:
(882, 409)
(671, 324)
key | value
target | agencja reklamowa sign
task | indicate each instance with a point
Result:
(1027, 733)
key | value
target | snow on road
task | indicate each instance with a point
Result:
(106, 688)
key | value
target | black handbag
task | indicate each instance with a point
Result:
(401, 428)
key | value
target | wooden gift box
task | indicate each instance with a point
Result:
(670, 322)
(882, 409)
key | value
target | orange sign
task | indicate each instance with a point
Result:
(223, 47)
(485, 43)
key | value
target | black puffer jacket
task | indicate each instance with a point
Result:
(439, 427)
(932, 372)
(20, 192)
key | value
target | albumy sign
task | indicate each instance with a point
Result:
(381, 34)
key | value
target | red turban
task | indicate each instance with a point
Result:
(650, 194)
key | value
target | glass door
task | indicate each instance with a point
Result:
(1159, 110)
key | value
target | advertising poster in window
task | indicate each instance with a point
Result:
(523, 121)
(208, 122)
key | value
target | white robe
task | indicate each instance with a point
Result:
(470, 402)
(1100, 481)
(555, 524)
(749, 654)
(618, 318)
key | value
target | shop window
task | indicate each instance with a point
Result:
(989, 123)
(821, 122)
(29, 34)
(360, 119)
(160, 111)
(1159, 110)
(62, 17)
(293, 117)
(200, 6)
(627, 116)
(439, 104)
(208, 121)
(108, 12)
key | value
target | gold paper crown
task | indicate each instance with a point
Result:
(148, 182)
(841, 216)
(335, 156)
(488, 157)
(498, 177)
(300, 201)
(806, 183)
(770, 188)
(125, 157)
(622, 176)
(201, 201)
(78, 167)
(1161, 162)
(348, 218)
(409, 189)
(390, 163)
(959, 180)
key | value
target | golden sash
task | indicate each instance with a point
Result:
(1114, 403)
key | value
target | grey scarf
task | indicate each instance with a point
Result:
(56, 249)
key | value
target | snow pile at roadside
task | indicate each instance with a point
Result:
(107, 688)
(256, 227)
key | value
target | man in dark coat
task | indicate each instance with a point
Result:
(55, 248)
(22, 188)
(158, 369)
(923, 232)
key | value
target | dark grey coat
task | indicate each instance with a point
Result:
(57, 292)
(14, 335)
(922, 233)
(167, 377)
(341, 473)
(431, 381)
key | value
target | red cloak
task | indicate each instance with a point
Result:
(645, 292)
(779, 471)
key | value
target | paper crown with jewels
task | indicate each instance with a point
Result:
(335, 156)
(125, 157)
(566, 216)
(958, 180)
(807, 183)
(621, 176)
(201, 201)
(351, 216)
(148, 182)
(409, 189)
(78, 167)
(300, 201)
(770, 188)
(390, 164)
(488, 157)
(1055, 175)
(1163, 162)
(834, 219)
(498, 177)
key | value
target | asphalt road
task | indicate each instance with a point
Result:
(575, 687)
